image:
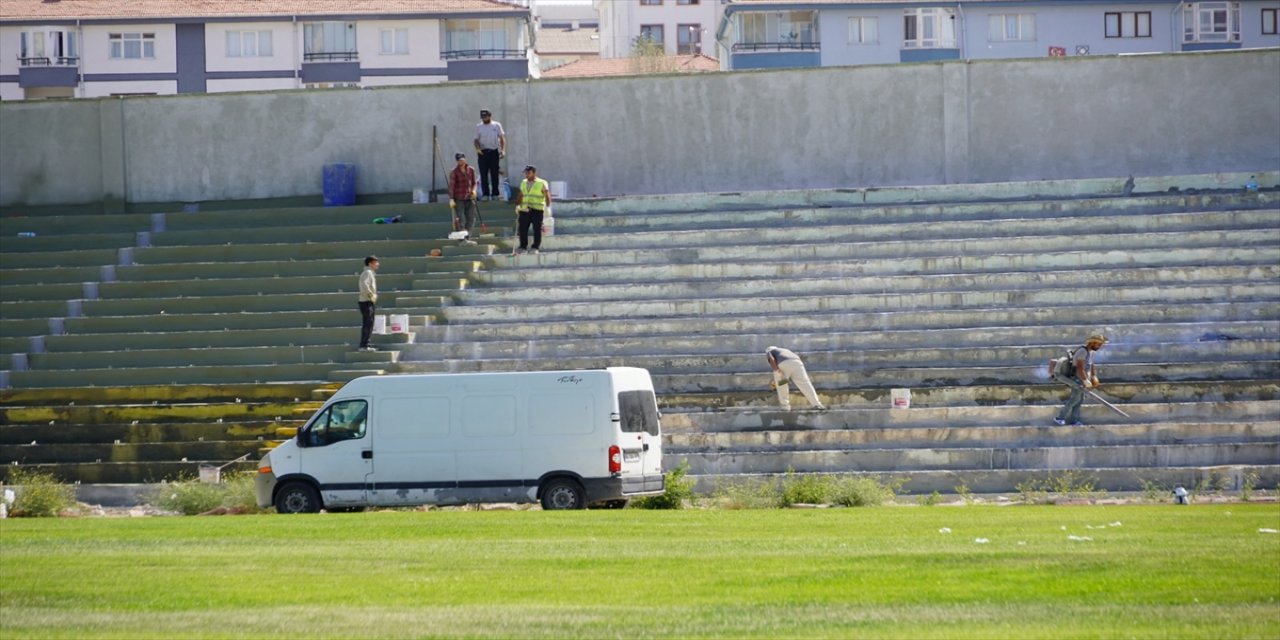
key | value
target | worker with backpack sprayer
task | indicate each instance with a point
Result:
(1077, 371)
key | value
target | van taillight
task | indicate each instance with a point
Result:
(615, 459)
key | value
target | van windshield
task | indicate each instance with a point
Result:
(639, 410)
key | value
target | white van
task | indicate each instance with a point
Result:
(567, 438)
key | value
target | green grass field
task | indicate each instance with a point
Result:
(1204, 571)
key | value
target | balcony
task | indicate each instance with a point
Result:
(777, 46)
(776, 55)
(45, 71)
(330, 66)
(487, 64)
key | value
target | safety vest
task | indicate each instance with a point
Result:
(534, 194)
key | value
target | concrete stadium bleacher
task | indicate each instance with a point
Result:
(144, 345)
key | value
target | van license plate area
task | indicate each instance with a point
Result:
(632, 455)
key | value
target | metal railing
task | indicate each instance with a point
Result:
(330, 56)
(777, 46)
(483, 53)
(45, 61)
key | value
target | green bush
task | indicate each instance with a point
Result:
(930, 500)
(679, 491)
(809, 488)
(189, 496)
(747, 493)
(865, 491)
(40, 495)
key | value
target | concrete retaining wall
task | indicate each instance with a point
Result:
(901, 124)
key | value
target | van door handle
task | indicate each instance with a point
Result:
(366, 454)
(646, 446)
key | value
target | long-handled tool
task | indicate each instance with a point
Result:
(1104, 401)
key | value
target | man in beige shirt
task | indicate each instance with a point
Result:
(368, 300)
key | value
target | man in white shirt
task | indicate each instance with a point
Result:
(787, 368)
(368, 300)
(491, 147)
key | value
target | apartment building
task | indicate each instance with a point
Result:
(95, 48)
(682, 27)
(756, 34)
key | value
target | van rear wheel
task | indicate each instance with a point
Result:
(563, 493)
(297, 497)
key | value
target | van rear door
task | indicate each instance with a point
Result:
(641, 441)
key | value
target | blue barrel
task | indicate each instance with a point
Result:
(339, 184)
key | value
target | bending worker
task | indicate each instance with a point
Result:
(788, 368)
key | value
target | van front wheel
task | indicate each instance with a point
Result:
(562, 493)
(297, 497)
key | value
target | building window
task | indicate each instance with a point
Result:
(685, 2)
(248, 44)
(52, 47)
(864, 30)
(1011, 27)
(929, 29)
(327, 41)
(688, 39)
(652, 33)
(1269, 22)
(1211, 22)
(1128, 24)
(482, 38)
(393, 41)
(651, 3)
(132, 45)
(777, 30)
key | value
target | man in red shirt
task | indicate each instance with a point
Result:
(462, 196)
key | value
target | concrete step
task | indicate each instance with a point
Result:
(943, 237)
(250, 303)
(443, 285)
(980, 458)
(56, 243)
(291, 337)
(253, 235)
(347, 316)
(834, 338)
(457, 266)
(26, 454)
(1033, 356)
(55, 225)
(210, 374)
(231, 393)
(11, 293)
(1112, 479)
(920, 302)
(947, 437)
(108, 472)
(292, 217)
(758, 396)
(845, 261)
(206, 356)
(49, 259)
(141, 433)
(795, 279)
(82, 415)
(387, 250)
(1054, 320)
(1093, 414)
(61, 275)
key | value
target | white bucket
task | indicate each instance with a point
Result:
(900, 398)
(421, 195)
(379, 324)
(399, 323)
(559, 189)
(210, 474)
(549, 226)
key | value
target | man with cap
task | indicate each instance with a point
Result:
(1079, 376)
(532, 200)
(787, 368)
(491, 146)
(462, 196)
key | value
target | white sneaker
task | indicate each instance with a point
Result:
(533, 251)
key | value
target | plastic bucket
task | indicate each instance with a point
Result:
(900, 398)
(399, 323)
(380, 324)
(339, 184)
(421, 195)
(549, 226)
(210, 474)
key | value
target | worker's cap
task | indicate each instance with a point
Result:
(485, 112)
(1096, 337)
(370, 259)
(529, 167)
(459, 156)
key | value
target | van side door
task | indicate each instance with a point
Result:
(641, 441)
